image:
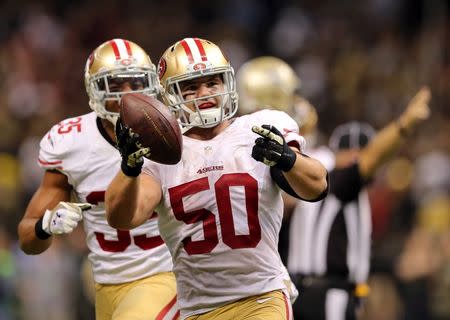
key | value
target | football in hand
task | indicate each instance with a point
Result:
(157, 127)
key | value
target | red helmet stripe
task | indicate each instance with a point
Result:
(127, 45)
(115, 48)
(188, 51)
(201, 49)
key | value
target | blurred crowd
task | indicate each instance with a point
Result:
(357, 60)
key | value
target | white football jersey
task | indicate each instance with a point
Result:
(221, 214)
(77, 148)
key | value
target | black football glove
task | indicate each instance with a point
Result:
(271, 148)
(130, 149)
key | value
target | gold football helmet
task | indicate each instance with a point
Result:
(113, 62)
(188, 59)
(266, 82)
(305, 115)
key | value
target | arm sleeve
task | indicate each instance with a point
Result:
(64, 151)
(52, 151)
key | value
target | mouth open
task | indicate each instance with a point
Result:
(206, 105)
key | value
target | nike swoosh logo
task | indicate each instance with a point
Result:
(262, 300)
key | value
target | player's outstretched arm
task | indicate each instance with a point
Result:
(131, 197)
(388, 139)
(53, 189)
(130, 201)
(306, 176)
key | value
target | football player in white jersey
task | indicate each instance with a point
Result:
(132, 269)
(220, 207)
(268, 82)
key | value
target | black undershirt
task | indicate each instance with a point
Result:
(103, 132)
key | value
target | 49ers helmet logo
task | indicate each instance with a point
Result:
(162, 66)
(126, 61)
(90, 60)
(199, 66)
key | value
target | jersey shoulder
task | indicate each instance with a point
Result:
(279, 119)
(65, 139)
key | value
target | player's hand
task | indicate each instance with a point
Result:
(130, 149)
(417, 109)
(271, 148)
(64, 217)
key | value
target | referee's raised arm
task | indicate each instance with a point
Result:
(388, 139)
(329, 242)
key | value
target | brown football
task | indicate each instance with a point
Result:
(157, 127)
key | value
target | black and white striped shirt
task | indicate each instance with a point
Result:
(332, 237)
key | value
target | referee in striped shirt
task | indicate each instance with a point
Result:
(328, 242)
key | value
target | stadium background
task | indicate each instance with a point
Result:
(358, 60)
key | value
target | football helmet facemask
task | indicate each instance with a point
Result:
(189, 59)
(112, 63)
(266, 82)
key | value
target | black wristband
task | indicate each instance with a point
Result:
(130, 171)
(40, 233)
(287, 160)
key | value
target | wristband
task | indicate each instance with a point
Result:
(39, 231)
(130, 171)
(287, 160)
